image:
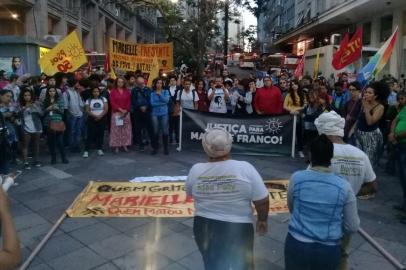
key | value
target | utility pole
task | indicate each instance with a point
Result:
(226, 18)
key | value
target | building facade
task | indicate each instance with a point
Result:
(276, 17)
(43, 23)
(321, 23)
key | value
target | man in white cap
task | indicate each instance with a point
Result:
(348, 162)
(224, 190)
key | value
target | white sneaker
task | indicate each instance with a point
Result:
(301, 154)
(86, 154)
(100, 152)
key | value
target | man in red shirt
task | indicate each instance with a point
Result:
(268, 99)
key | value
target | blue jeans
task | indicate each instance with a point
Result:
(310, 256)
(75, 132)
(401, 162)
(224, 245)
(160, 123)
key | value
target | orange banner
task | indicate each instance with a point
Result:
(153, 199)
(125, 56)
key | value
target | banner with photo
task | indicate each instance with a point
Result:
(160, 199)
(252, 135)
(126, 56)
(12, 65)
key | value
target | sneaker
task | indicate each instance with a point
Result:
(141, 148)
(37, 164)
(100, 152)
(27, 166)
(301, 155)
(400, 208)
(85, 154)
(65, 161)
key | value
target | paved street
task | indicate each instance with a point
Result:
(149, 243)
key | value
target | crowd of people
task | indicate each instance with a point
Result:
(354, 127)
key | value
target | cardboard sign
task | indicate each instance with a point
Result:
(160, 199)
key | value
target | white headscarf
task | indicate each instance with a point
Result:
(330, 123)
(217, 142)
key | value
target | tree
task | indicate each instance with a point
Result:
(250, 35)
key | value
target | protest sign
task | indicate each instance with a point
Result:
(257, 135)
(161, 199)
(67, 56)
(125, 56)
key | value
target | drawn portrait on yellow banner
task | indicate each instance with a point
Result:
(67, 56)
(152, 199)
(126, 56)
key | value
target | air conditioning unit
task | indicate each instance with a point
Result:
(53, 38)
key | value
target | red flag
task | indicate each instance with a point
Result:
(299, 68)
(107, 63)
(349, 51)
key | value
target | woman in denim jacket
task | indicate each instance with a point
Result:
(323, 206)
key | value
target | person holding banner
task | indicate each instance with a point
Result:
(268, 99)
(323, 207)
(223, 191)
(160, 119)
(120, 128)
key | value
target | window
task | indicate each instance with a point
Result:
(366, 33)
(386, 27)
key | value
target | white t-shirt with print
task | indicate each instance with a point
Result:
(218, 103)
(96, 105)
(224, 190)
(352, 164)
(186, 99)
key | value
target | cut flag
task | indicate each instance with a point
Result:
(316, 65)
(379, 60)
(154, 71)
(299, 68)
(349, 51)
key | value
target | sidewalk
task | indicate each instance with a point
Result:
(149, 243)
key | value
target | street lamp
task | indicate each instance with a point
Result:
(14, 16)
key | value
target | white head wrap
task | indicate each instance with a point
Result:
(217, 142)
(330, 123)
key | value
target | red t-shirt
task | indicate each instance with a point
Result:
(269, 100)
(202, 104)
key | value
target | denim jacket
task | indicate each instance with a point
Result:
(159, 103)
(140, 98)
(322, 204)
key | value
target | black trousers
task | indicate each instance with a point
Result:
(224, 245)
(174, 127)
(141, 121)
(95, 133)
(55, 141)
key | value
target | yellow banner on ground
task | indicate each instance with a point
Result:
(67, 56)
(153, 199)
(126, 56)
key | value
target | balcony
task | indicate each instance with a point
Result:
(148, 16)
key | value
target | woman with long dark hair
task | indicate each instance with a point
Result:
(203, 103)
(53, 109)
(368, 135)
(160, 117)
(96, 108)
(294, 103)
(30, 114)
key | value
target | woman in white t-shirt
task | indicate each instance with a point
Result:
(96, 108)
(223, 191)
